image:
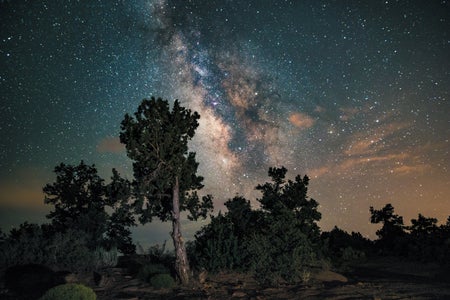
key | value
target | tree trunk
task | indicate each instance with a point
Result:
(181, 263)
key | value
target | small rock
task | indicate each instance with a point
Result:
(238, 294)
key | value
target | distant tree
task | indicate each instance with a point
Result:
(338, 244)
(81, 201)
(392, 223)
(423, 226)
(156, 139)
(280, 196)
(446, 226)
(392, 234)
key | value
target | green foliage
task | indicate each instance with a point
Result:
(81, 201)
(162, 281)
(69, 291)
(104, 258)
(156, 139)
(281, 252)
(156, 254)
(350, 255)
(281, 196)
(31, 243)
(276, 244)
(146, 272)
(344, 248)
(216, 246)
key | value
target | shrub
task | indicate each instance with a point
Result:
(155, 254)
(69, 292)
(350, 255)
(280, 253)
(105, 258)
(216, 247)
(162, 281)
(146, 272)
(38, 245)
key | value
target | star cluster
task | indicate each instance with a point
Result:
(352, 93)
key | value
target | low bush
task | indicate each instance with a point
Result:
(69, 291)
(32, 244)
(147, 271)
(162, 281)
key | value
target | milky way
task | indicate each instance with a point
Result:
(355, 94)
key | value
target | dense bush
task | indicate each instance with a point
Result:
(69, 292)
(216, 246)
(146, 272)
(156, 254)
(279, 242)
(282, 252)
(31, 243)
(345, 249)
(162, 281)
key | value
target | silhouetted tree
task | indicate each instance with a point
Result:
(423, 226)
(291, 196)
(392, 223)
(392, 230)
(81, 201)
(118, 193)
(156, 139)
(240, 213)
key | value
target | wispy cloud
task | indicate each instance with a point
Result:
(378, 150)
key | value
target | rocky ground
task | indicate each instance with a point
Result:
(380, 279)
(383, 279)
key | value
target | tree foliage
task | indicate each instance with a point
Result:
(392, 223)
(82, 201)
(276, 243)
(281, 196)
(156, 139)
(166, 181)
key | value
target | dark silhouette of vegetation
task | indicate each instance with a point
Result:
(40, 244)
(156, 139)
(423, 240)
(344, 249)
(280, 241)
(392, 230)
(82, 201)
(277, 242)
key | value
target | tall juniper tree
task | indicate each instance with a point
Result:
(156, 139)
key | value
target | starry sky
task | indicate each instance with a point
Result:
(355, 94)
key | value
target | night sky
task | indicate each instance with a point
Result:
(355, 94)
